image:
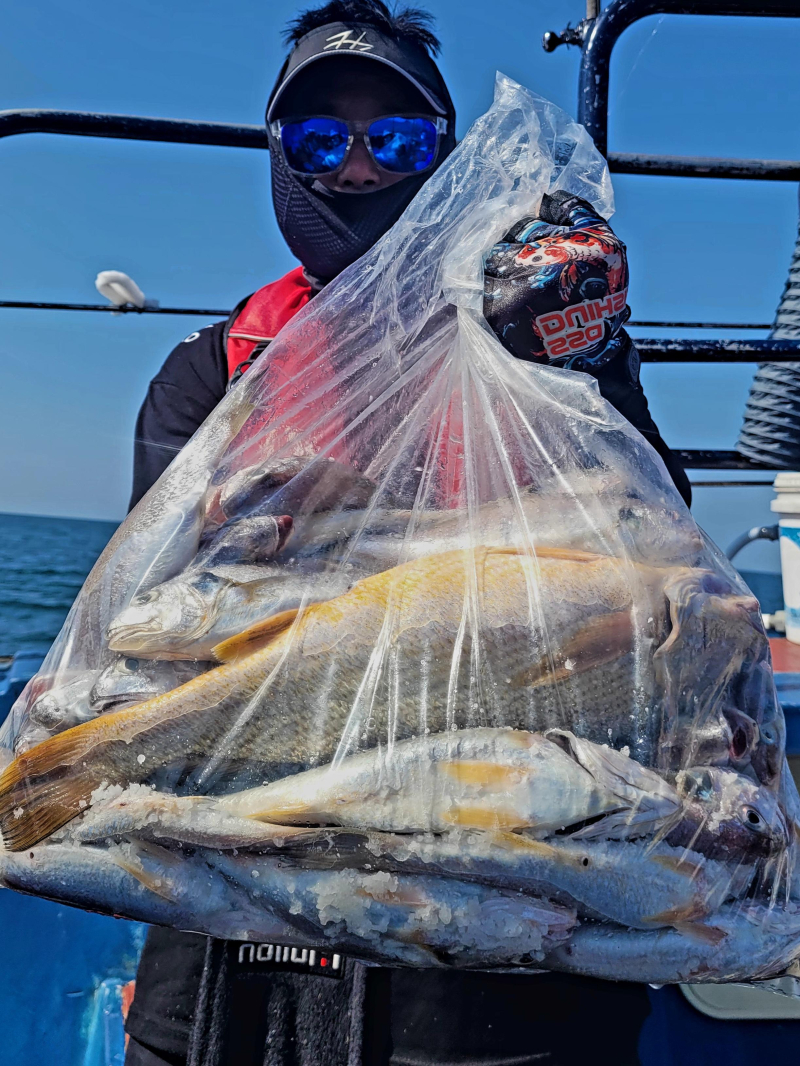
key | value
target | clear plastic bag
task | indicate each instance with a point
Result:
(415, 653)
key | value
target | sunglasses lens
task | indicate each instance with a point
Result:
(403, 145)
(315, 145)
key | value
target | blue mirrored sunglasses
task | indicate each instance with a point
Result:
(398, 144)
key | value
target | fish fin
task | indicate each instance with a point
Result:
(273, 810)
(688, 914)
(33, 812)
(508, 841)
(152, 882)
(599, 642)
(708, 934)
(63, 749)
(32, 809)
(254, 638)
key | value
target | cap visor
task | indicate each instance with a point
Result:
(427, 94)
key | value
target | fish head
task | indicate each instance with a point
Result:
(63, 704)
(755, 696)
(29, 737)
(243, 491)
(245, 540)
(702, 742)
(294, 485)
(744, 817)
(656, 533)
(715, 665)
(168, 617)
(127, 680)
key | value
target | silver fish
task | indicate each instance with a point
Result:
(375, 540)
(457, 922)
(65, 704)
(145, 883)
(727, 816)
(290, 486)
(187, 617)
(81, 696)
(141, 812)
(483, 778)
(738, 944)
(638, 885)
(368, 541)
(153, 545)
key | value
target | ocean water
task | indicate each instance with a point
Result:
(60, 966)
(43, 563)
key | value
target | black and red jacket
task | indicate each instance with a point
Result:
(199, 371)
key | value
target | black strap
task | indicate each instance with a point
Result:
(248, 1014)
(245, 364)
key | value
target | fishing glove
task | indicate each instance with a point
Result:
(555, 287)
(555, 292)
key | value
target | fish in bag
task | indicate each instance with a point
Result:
(416, 653)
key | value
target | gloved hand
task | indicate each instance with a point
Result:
(555, 287)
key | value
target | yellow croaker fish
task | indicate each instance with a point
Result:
(484, 637)
(484, 778)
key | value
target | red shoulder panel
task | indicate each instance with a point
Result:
(265, 313)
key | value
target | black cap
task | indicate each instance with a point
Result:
(353, 39)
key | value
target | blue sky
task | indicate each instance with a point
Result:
(194, 226)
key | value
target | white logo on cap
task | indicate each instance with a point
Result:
(344, 40)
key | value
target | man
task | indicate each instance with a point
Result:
(350, 73)
(358, 120)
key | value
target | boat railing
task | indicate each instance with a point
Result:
(596, 36)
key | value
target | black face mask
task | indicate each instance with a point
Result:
(327, 231)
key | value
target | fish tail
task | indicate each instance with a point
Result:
(46, 787)
(34, 810)
(39, 791)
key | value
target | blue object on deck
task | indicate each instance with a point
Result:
(788, 686)
(675, 1034)
(63, 968)
(105, 1036)
(15, 677)
(54, 982)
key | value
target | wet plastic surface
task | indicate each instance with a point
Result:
(416, 653)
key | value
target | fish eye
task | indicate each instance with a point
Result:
(769, 733)
(753, 818)
(131, 664)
